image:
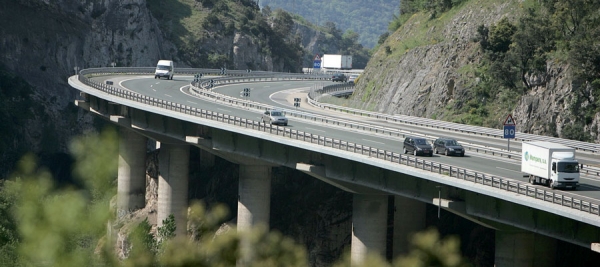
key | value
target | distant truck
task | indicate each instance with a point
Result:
(332, 61)
(164, 68)
(550, 164)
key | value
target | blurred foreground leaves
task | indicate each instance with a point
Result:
(46, 225)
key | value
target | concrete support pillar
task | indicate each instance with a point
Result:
(523, 249)
(369, 226)
(409, 218)
(254, 196)
(207, 159)
(173, 167)
(131, 181)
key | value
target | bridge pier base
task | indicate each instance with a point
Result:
(254, 196)
(409, 218)
(173, 185)
(369, 226)
(522, 249)
(131, 177)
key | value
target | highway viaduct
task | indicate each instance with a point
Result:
(527, 228)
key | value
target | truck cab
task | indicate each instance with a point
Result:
(565, 170)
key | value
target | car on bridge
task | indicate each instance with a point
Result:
(352, 78)
(417, 146)
(274, 117)
(448, 146)
(339, 77)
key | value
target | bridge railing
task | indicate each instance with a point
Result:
(564, 199)
(498, 133)
(204, 91)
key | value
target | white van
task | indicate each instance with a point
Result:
(164, 68)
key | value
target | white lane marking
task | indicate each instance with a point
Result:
(266, 86)
(151, 85)
(193, 102)
(154, 90)
(224, 109)
(373, 141)
(508, 170)
(157, 83)
(168, 95)
(314, 129)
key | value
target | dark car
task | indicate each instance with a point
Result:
(339, 77)
(448, 146)
(417, 146)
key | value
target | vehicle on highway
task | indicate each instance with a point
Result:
(550, 164)
(164, 68)
(417, 146)
(352, 78)
(339, 77)
(274, 117)
(448, 146)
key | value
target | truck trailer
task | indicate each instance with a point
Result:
(550, 164)
(332, 61)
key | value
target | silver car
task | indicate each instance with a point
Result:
(352, 78)
(274, 117)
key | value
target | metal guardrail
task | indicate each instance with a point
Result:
(498, 133)
(206, 92)
(564, 199)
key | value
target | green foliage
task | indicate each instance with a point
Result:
(429, 250)
(9, 237)
(167, 230)
(433, 6)
(576, 132)
(43, 225)
(190, 27)
(366, 17)
(500, 36)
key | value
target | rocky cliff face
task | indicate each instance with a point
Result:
(428, 79)
(44, 41)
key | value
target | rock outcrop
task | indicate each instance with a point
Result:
(430, 78)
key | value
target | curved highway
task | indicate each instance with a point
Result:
(281, 94)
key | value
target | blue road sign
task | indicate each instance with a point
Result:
(509, 131)
(317, 64)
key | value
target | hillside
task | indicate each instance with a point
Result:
(476, 61)
(367, 18)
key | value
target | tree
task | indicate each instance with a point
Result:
(66, 226)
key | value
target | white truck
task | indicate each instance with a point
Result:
(332, 61)
(550, 164)
(164, 68)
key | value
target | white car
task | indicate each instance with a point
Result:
(352, 78)
(274, 117)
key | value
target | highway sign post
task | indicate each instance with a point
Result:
(245, 93)
(317, 62)
(509, 129)
(296, 102)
